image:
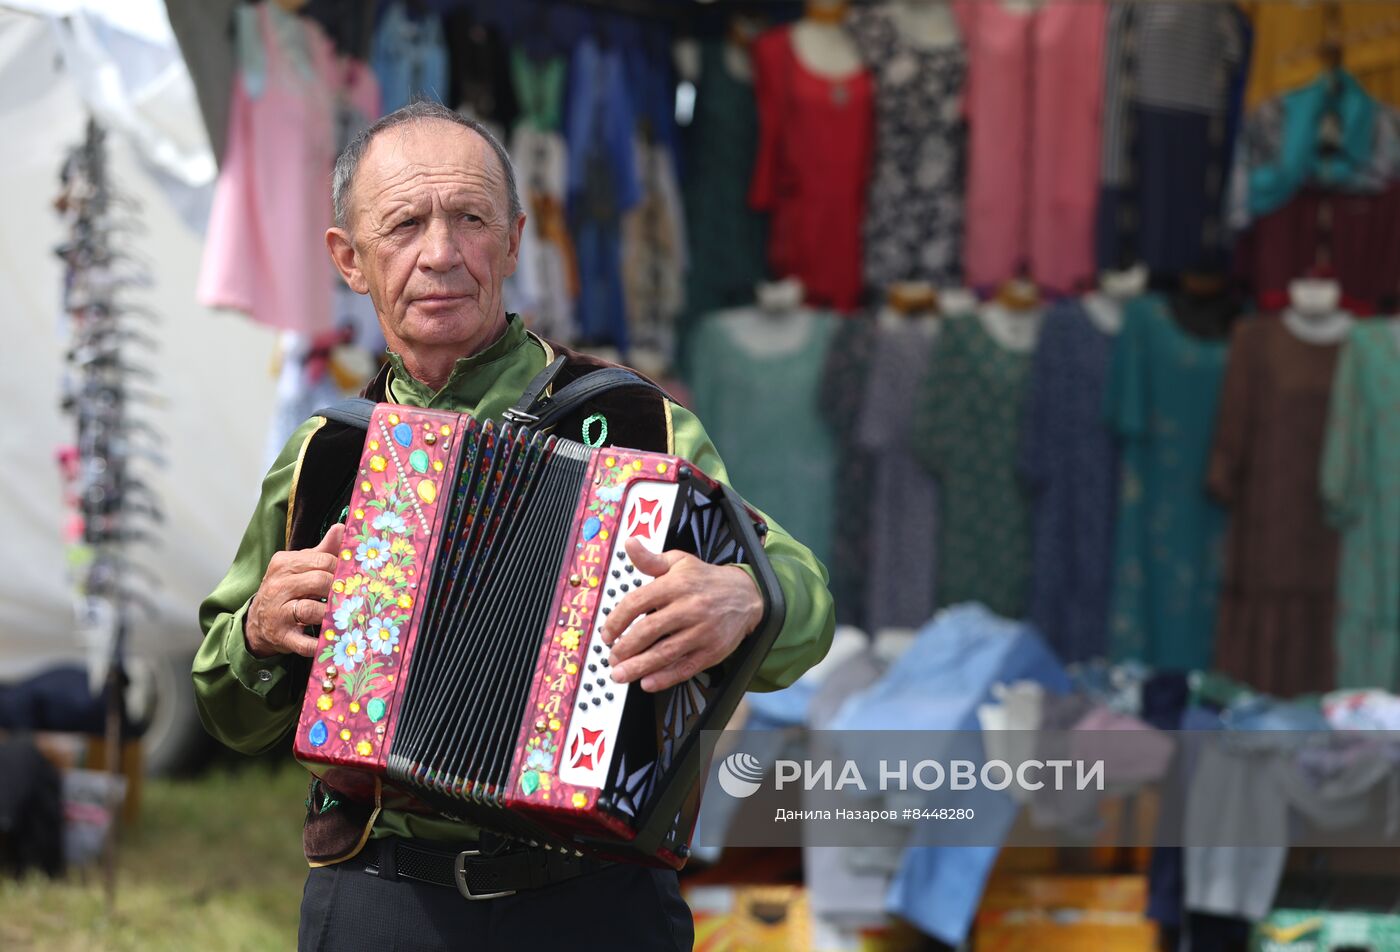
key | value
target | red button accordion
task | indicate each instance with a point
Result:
(461, 669)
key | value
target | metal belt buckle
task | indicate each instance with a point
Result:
(459, 872)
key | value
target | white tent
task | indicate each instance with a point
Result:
(212, 369)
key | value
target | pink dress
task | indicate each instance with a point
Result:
(1034, 91)
(265, 249)
(815, 138)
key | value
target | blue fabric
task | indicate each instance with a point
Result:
(652, 83)
(1070, 465)
(1184, 175)
(784, 708)
(1300, 159)
(409, 58)
(603, 184)
(1166, 872)
(766, 737)
(937, 685)
(1263, 713)
(1164, 699)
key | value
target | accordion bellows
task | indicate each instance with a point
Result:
(461, 668)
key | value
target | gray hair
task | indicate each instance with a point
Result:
(344, 175)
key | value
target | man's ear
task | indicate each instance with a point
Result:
(343, 254)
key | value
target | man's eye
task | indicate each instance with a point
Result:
(474, 219)
(407, 223)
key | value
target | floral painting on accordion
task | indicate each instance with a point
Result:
(368, 614)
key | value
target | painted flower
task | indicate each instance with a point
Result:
(609, 493)
(346, 612)
(539, 759)
(391, 573)
(350, 650)
(383, 636)
(399, 546)
(372, 553)
(390, 522)
(376, 586)
(353, 583)
(568, 640)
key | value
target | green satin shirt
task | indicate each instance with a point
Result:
(252, 703)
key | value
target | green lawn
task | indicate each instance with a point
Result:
(214, 864)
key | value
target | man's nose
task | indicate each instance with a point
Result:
(439, 252)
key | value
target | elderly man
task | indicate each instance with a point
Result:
(428, 224)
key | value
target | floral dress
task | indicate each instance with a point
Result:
(967, 424)
(914, 213)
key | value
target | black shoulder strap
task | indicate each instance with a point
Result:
(533, 408)
(354, 411)
(541, 412)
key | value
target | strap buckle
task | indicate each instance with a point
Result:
(459, 873)
(534, 396)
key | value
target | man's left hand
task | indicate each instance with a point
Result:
(696, 615)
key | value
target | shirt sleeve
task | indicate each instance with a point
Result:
(246, 702)
(810, 618)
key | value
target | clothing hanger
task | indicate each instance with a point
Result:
(1124, 283)
(1205, 306)
(1203, 285)
(743, 29)
(910, 298)
(1019, 295)
(831, 12)
(780, 297)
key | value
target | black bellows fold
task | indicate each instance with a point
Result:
(487, 602)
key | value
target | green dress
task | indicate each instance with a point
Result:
(1361, 490)
(967, 424)
(727, 240)
(1162, 398)
(755, 380)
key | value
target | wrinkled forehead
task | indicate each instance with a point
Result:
(423, 154)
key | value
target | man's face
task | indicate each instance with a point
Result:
(430, 238)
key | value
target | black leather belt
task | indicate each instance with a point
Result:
(475, 873)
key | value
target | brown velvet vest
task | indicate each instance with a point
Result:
(336, 829)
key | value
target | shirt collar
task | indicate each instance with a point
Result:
(471, 376)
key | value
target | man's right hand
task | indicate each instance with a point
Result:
(292, 595)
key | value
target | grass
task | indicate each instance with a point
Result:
(214, 864)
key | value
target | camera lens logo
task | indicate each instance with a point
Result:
(740, 775)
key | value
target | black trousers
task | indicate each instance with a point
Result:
(621, 908)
